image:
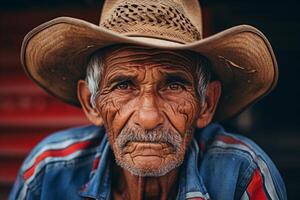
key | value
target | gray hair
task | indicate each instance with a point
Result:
(96, 65)
(94, 72)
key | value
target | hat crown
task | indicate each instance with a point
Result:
(174, 20)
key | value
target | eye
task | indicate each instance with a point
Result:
(175, 86)
(125, 85)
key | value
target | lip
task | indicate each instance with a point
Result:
(149, 149)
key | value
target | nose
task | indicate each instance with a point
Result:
(148, 115)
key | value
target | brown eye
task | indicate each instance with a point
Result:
(123, 86)
(175, 86)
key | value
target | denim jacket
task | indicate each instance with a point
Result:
(75, 164)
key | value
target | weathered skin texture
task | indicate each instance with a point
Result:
(137, 90)
(147, 91)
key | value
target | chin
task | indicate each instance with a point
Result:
(150, 167)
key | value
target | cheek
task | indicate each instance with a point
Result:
(108, 107)
(115, 110)
(182, 111)
(188, 107)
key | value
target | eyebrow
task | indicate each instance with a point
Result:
(177, 77)
(121, 77)
(168, 77)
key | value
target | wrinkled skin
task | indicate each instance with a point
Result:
(140, 91)
(146, 91)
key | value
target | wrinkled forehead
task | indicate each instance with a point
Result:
(126, 55)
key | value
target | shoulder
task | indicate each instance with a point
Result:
(56, 160)
(241, 161)
(231, 146)
(61, 149)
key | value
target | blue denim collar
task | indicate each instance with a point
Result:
(190, 182)
(98, 187)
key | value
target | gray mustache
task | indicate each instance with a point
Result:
(158, 135)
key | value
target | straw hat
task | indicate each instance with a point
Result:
(55, 54)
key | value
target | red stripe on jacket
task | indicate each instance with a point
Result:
(230, 140)
(58, 153)
(95, 163)
(255, 188)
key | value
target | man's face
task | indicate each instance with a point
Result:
(149, 104)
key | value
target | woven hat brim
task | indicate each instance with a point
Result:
(55, 55)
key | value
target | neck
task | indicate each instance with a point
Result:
(127, 186)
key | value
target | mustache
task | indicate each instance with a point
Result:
(157, 135)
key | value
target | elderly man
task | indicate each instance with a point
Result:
(152, 88)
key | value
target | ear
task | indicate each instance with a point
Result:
(84, 96)
(213, 92)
